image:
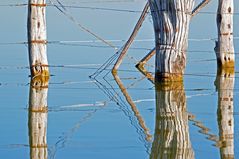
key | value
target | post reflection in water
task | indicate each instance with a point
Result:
(134, 108)
(37, 118)
(171, 137)
(225, 86)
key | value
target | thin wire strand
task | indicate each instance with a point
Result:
(72, 42)
(68, 15)
(104, 8)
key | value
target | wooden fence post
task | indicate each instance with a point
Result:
(37, 120)
(37, 37)
(171, 26)
(171, 137)
(224, 46)
(225, 87)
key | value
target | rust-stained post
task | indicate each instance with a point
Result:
(37, 120)
(37, 37)
(171, 137)
(224, 46)
(171, 26)
(195, 11)
(225, 87)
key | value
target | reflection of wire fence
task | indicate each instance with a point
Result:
(63, 139)
(115, 96)
(115, 41)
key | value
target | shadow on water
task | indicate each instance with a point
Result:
(171, 137)
(37, 117)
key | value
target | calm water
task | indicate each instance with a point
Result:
(93, 118)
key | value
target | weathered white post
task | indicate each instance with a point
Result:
(37, 37)
(171, 137)
(224, 46)
(37, 121)
(171, 20)
(225, 87)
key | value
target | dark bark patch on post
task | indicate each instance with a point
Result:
(38, 25)
(229, 26)
(229, 10)
(225, 47)
(219, 18)
(166, 29)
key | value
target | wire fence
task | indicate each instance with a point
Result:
(108, 43)
(104, 8)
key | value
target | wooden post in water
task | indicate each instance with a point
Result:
(37, 120)
(131, 38)
(171, 26)
(171, 137)
(224, 46)
(225, 87)
(144, 60)
(37, 37)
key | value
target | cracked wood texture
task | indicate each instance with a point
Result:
(224, 45)
(171, 137)
(37, 37)
(37, 118)
(171, 20)
(225, 86)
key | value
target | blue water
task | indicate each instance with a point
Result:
(82, 121)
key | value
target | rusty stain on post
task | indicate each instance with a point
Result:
(143, 61)
(38, 5)
(172, 42)
(37, 38)
(224, 46)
